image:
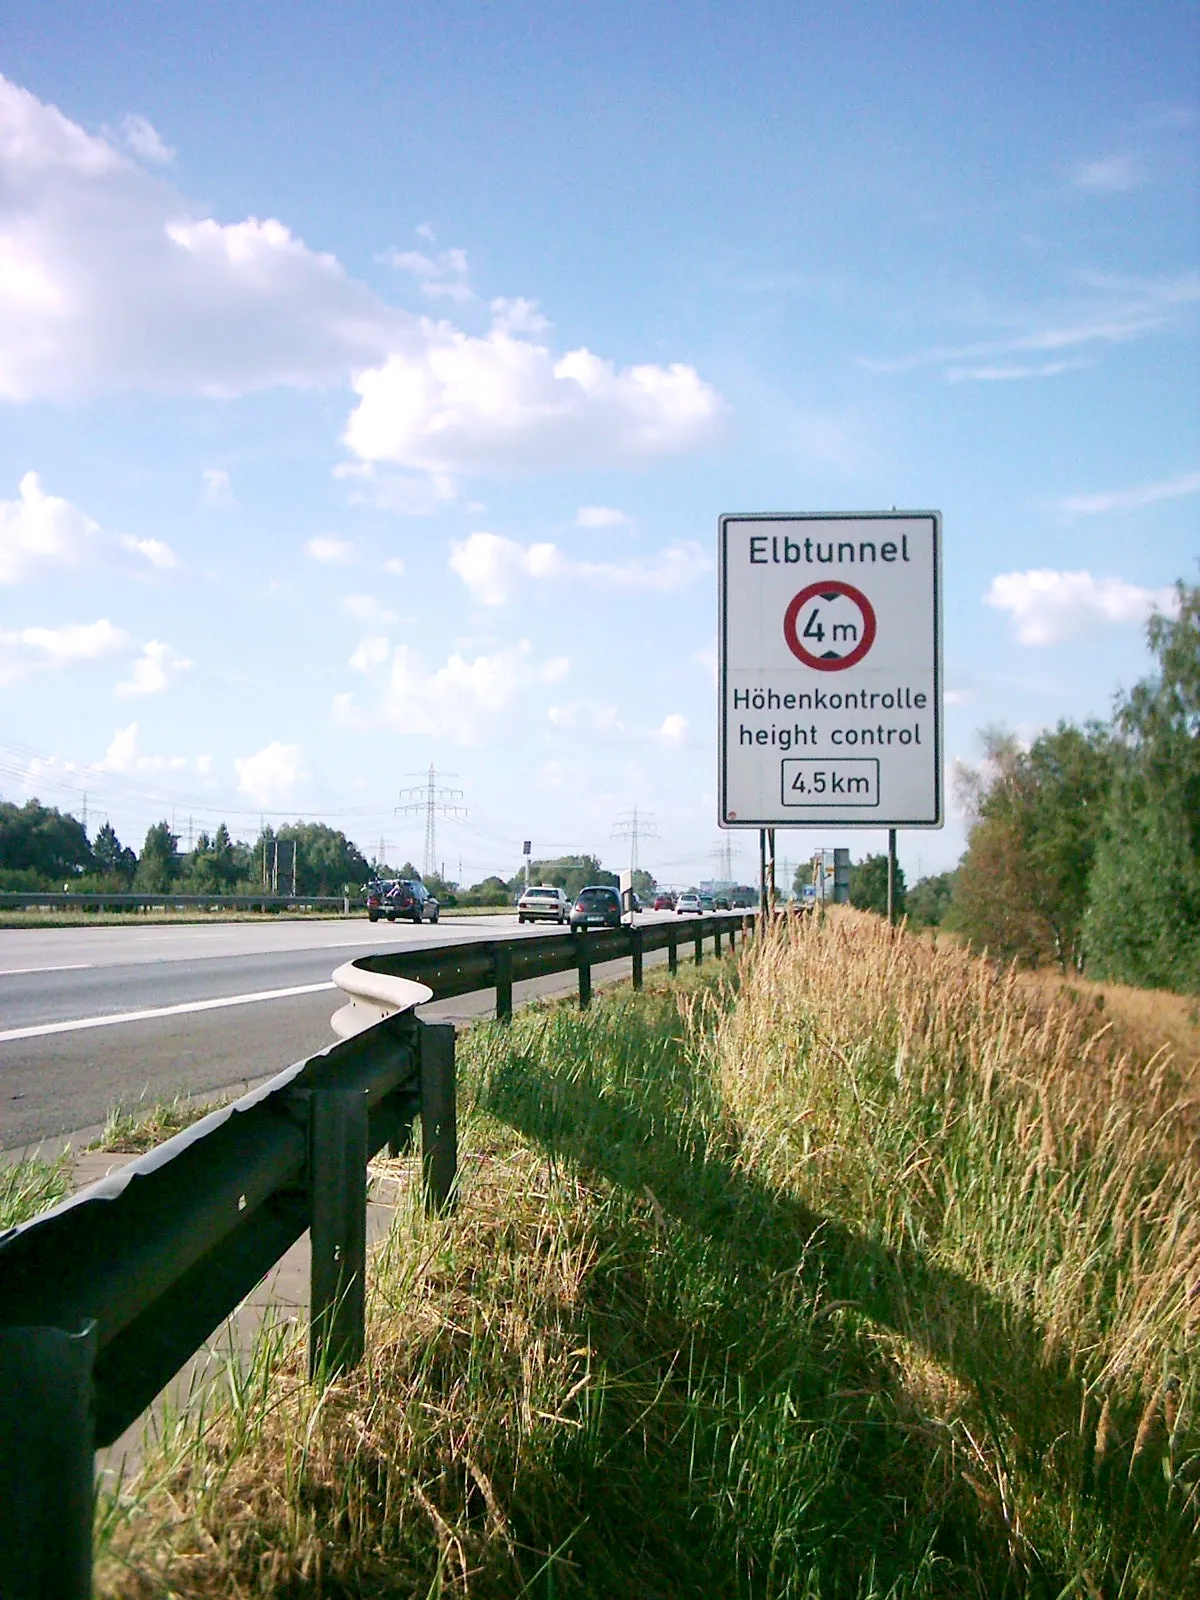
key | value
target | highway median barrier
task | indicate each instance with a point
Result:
(105, 1297)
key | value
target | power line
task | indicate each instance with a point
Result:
(634, 826)
(435, 800)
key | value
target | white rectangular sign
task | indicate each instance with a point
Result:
(831, 670)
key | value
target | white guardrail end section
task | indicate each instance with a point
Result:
(373, 996)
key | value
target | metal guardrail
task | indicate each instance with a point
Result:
(106, 1296)
(36, 899)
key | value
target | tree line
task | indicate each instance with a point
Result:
(44, 848)
(1084, 848)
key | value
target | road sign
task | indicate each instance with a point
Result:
(831, 670)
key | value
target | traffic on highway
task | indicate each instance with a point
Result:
(93, 1017)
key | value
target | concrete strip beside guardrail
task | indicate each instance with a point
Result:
(373, 996)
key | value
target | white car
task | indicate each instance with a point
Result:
(689, 902)
(545, 903)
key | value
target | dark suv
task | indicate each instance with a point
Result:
(401, 897)
(597, 906)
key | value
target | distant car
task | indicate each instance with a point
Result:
(401, 897)
(597, 906)
(545, 903)
(664, 901)
(721, 901)
(707, 903)
(689, 901)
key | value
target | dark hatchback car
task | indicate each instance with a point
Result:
(596, 907)
(401, 897)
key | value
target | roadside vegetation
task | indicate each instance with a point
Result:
(31, 1185)
(134, 1129)
(859, 1268)
(1084, 850)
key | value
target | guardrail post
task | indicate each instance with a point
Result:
(439, 1129)
(47, 1445)
(337, 1201)
(699, 942)
(717, 940)
(503, 968)
(673, 950)
(635, 940)
(585, 973)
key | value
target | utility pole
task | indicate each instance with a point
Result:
(635, 826)
(434, 800)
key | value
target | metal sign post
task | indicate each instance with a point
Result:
(830, 671)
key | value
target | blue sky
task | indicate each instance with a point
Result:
(372, 378)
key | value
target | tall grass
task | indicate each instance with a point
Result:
(853, 1271)
(30, 1185)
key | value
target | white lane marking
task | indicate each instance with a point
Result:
(45, 1028)
(20, 972)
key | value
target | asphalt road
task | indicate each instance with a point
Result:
(82, 1023)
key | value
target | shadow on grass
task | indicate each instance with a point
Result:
(895, 1507)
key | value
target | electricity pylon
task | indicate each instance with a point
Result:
(635, 826)
(722, 854)
(434, 800)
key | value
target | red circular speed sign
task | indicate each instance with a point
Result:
(829, 626)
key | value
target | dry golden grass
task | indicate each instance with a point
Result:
(862, 1270)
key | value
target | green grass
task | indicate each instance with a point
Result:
(861, 1273)
(133, 1129)
(32, 1185)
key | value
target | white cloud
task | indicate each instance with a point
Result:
(1112, 175)
(442, 276)
(364, 608)
(496, 570)
(25, 649)
(124, 756)
(1012, 373)
(108, 279)
(600, 517)
(453, 403)
(156, 669)
(674, 729)
(40, 530)
(333, 552)
(1113, 311)
(402, 493)
(218, 487)
(465, 700)
(518, 316)
(1048, 607)
(372, 653)
(154, 551)
(394, 566)
(1146, 494)
(144, 139)
(270, 777)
